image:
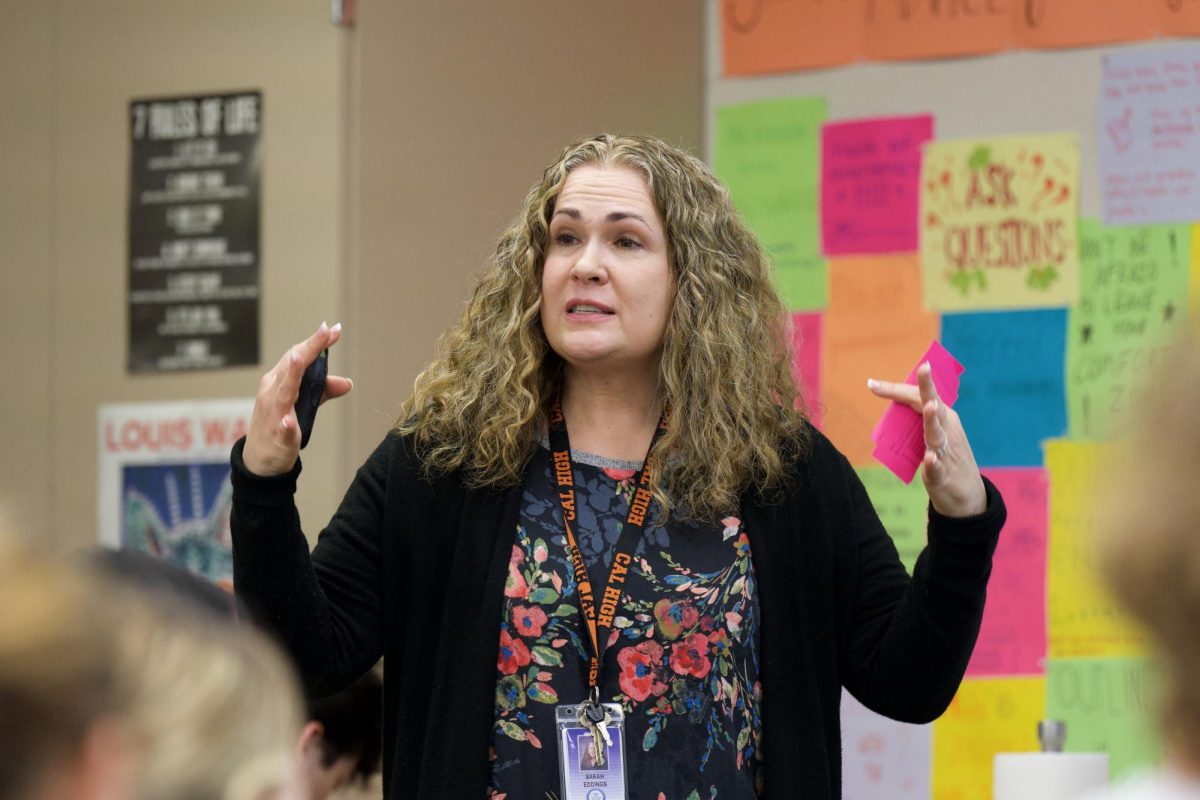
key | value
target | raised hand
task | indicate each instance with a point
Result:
(273, 438)
(949, 470)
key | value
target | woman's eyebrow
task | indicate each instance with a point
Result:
(615, 216)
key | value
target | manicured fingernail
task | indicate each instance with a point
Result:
(283, 423)
(336, 328)
(351, 382)
(324, 326)
(872, 384)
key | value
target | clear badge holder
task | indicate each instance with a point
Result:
(586, 774)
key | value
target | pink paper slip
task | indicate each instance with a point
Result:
(899, 435)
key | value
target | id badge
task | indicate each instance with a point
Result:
(583, 778)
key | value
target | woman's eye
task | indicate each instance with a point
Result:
(564, 239)
(628, 243)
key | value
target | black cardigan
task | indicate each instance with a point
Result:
(406, 561)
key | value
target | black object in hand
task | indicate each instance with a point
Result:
(312, 386)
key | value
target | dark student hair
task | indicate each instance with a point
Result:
(353, 722)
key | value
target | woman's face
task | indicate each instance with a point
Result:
(607, 286)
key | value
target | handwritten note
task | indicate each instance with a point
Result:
(870, 184)
(902, 29)
(1132, 306)
(1109, 705)
(872, 328)
(1012, 640)
(998, 222)
(903, 508)
(1070, 23)
(1179, 17)
(806, 362)
(767, 153)
(1150, 134)
(759, 36)
(899, 435)
(1015, 398)
(1082, 618)
(882, 757)
(987, 716)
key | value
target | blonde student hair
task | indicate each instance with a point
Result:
(211, 711)
(215, 706)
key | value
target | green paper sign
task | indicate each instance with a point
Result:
(768, 154)
(902, 508)
(1109, 706)
(1133, 302)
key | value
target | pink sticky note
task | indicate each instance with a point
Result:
(899, 435)
(806, 361)
(1012, 639)
(870, 184)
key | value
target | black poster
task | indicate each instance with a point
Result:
(194, 181)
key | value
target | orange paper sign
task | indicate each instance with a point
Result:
(875, 327)
(786, 35)
(903, 29)
(1179, 17)
(1072, 23)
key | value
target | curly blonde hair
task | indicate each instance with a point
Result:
(481, 406)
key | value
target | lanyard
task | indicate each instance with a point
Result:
(599, 623)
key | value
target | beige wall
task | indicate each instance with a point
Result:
(393, 155)
(461, 105)
(26, 253)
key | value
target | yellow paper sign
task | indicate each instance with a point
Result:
(1082, 618)
(999, 220)
(1195, 273)
(987, 716)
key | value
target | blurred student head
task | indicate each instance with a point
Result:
(107, 693)
(214, 706)
(61, 734)
(1149, 539)
(341, 741)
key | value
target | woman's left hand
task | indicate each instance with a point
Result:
(949, 470)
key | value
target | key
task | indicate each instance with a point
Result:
(596, 718)
(602, 729)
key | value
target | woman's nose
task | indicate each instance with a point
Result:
(589, 266)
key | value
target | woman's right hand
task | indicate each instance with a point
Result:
(273, 438)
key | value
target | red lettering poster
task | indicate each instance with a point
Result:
(164, 480)
(999, 223)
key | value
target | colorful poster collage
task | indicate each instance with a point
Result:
(888, 239)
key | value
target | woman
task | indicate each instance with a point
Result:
(753, 578)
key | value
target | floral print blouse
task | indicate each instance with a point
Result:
(682, 656)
